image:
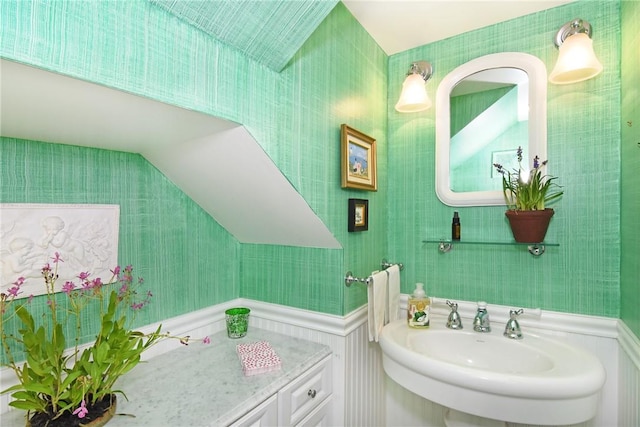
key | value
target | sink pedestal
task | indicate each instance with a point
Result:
(453, 418)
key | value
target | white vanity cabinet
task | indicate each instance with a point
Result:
(305, 401)
(302, 396)
(265, 414)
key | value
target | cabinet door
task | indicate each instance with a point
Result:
(263, 415)
(319, 416)
(297, 399)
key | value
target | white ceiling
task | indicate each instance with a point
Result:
(398, 25)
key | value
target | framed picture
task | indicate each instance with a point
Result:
(358, 215)
(358, 153)
(507, 158)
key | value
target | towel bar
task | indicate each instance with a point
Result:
(385, 264)
(349, 278)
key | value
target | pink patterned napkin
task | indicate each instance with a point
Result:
(258, 358)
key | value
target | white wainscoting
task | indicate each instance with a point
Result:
(365, 396)
(358, 377)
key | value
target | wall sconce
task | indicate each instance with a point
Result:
(577, 61)
(414, 96)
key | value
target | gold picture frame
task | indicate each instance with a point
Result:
(358, 159)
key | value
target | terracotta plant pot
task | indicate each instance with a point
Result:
(529, 226)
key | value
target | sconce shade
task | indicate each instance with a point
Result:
(414, 95)
(576, 60)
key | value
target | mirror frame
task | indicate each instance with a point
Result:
(537, 73)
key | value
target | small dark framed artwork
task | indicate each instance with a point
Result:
(358, 215)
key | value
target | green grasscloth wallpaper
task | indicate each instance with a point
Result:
(295, 115)
(160, 227)
(339, 76)
(582, 275)
(630, 165)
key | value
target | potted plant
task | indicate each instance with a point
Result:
(527, 194)
(59, 387)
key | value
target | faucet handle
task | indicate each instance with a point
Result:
(512, 328)
(454, 321)
(515, 313)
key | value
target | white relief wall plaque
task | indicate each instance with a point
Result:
(85, 236)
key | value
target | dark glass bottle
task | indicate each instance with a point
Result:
(455, 227)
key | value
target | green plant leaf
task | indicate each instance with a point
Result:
(38, 388)
(25, 317)
(26, 406)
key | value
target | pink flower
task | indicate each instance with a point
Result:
(57, 258)
(82, 410)
(116, 271)
(206, 340)
(13, 291)
(68, 287)
(84, 275)
(123, 289)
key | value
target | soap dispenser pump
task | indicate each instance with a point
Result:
(418, 308)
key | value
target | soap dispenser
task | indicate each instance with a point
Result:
(418, 308)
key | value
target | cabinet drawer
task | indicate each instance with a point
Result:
(305, 393)
(263, 415)
(320, 416)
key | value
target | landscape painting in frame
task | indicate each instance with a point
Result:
(358, 155)
(85, 236)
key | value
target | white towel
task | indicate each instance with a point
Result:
(393, 306)
(377, 295)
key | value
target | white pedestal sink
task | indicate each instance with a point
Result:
(536, 380)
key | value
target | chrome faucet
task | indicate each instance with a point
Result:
(454, 321)
(512, 329)
(481, 321)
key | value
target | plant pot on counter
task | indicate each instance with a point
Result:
(529, 226)
(98, 415)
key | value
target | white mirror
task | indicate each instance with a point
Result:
(485, 109)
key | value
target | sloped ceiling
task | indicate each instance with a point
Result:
(399, 25)
(203, 155)
(268, 31)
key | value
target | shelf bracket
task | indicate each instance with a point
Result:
(536, 250)
(445, 247)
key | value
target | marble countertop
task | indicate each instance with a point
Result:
(203, 385)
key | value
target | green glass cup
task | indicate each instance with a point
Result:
(237, 322)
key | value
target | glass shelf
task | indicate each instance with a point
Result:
(445, 245)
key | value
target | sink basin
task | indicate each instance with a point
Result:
(485, 352)
(536, 380)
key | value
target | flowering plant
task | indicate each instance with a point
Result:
(72, 386)
(528, 190)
